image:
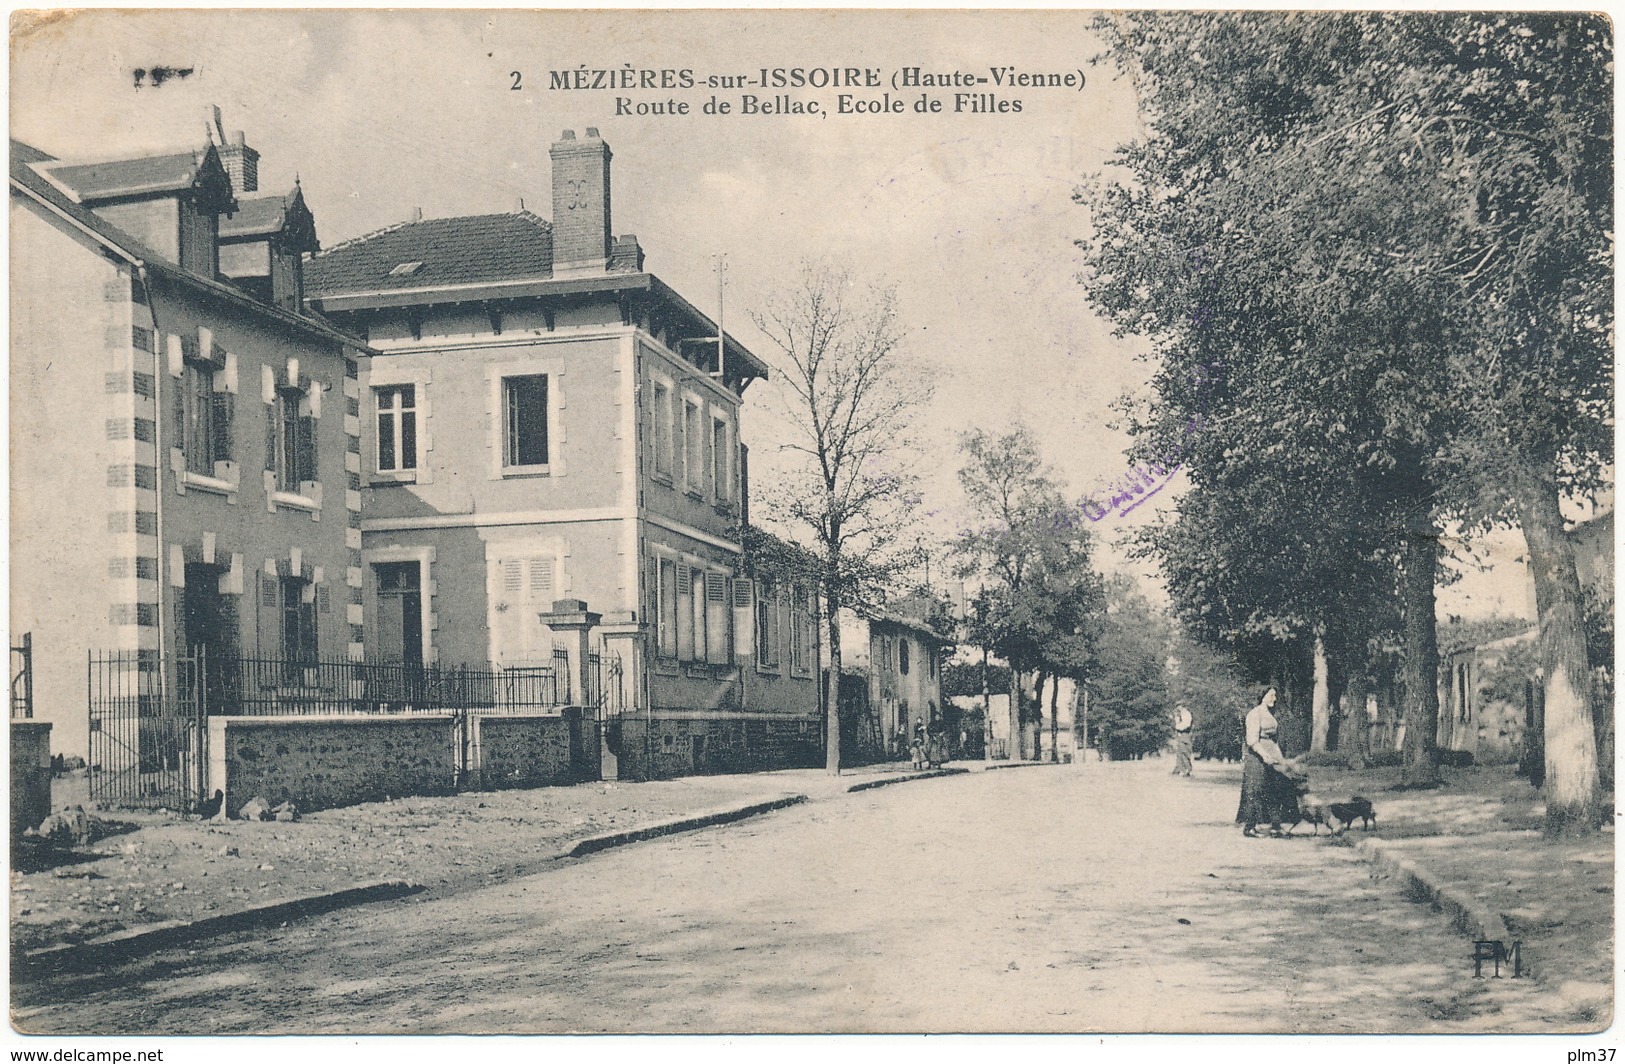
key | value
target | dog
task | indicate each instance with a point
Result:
(1337, 816)
(1355, 807)
(1313, 809)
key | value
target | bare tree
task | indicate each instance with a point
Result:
(848, 399)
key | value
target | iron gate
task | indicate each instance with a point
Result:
(146, 729)
(22, 678)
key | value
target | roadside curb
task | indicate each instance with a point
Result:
(869, 785)
(1468, 916)
(594, 843)
(122, 945)
(995, 767)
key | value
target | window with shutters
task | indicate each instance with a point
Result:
(660, 415)
(198, 418)
(721, 464)
(290, 443)
(694, 439)
(744, 616)
(802, 633)
(902, 654)
(798, 642)
(667, 591)
(685, 613)
(718, 619)
(524, 588)
(397, 428)
(298, 608)
(524, 434)
(767, 627)
(204, 412)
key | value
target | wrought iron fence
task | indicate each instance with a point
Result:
(22, 678)
(275, 686)
(149, 715)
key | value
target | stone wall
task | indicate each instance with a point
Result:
(535, 751)
(675, 747)
(30, 774)
(318, 762)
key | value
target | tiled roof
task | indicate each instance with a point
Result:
(915, 624)
(26, 180)
(267, 216)
(129, 177)
(260, 216)
(473, 249)
(27, 153)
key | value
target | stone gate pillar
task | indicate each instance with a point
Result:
(571, 620)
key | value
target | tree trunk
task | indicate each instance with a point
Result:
(1356, 737)
(1080, 724)
(987, 713)
(832, 719)
(1421, 766)
(1037, 712)
(1055, 720)
(1012, 745)
(1572, 805)
(1035, 719)
(1320, 703)
(1336, 689)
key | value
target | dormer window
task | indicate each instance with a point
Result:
(405, 269)
(261, 244)
(170, 202)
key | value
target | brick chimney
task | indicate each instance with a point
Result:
(242, 163)
(581, 225)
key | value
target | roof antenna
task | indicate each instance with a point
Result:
(212, 126)
(722, 274)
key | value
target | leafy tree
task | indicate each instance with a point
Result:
(1214, 691)
(1034, 558)
(849, 401)
(1320, 395)
(1129, 712)
(1264, 579)
(965, 678)
(1070, 600)
(1403, 228)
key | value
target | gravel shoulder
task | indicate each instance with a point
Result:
(161, 866)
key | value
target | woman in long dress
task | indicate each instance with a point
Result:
(1263, 784)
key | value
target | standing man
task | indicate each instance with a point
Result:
(1182, 741)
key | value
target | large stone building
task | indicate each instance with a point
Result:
(544, 420)
(184, 441)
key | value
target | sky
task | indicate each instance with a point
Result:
(969, 216)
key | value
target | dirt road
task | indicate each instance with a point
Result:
(1109, 898)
